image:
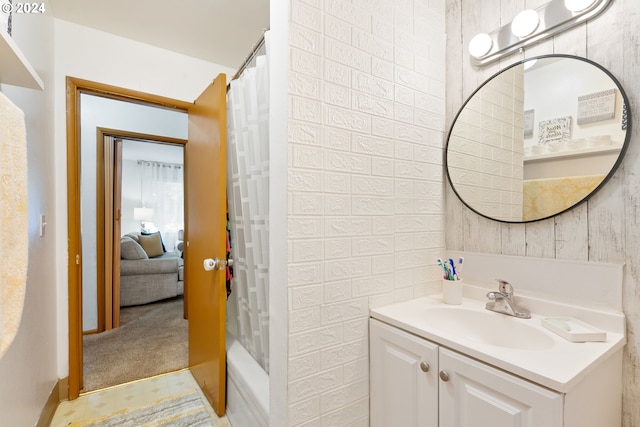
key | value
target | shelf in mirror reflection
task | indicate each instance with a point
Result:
(587, 151)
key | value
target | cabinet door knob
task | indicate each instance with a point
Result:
(444, 376)
(424, 366)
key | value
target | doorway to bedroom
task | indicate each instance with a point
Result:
(140, 193)
(118, 196)
(204, 223)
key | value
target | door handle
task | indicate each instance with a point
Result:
(217, 264)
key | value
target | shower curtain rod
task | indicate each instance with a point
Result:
(252, 54)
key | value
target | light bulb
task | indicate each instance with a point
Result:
(525, 23)
(480, 45)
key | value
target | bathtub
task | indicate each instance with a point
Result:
(247, 388)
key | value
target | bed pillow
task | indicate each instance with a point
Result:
(152, 244)
(130, 249)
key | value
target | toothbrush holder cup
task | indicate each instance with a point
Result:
(452, 291)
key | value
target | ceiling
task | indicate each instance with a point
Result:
(218, 31)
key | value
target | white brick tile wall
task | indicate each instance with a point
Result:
(315, 339)
(499, 193)
(335, 399)
(337, 291)
(303, 85)
(366, 190)
(310, 386)
(337, 204)
(357, 329)
(348, 414)
(305, 133)
(304, 366)
(302, 320)
(382, 167)
(337, 139)
(347, 352)
(307, 204)
(305, 413)
(301, 180)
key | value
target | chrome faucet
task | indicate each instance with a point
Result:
(502, 301)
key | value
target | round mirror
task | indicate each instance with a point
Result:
(537, 138)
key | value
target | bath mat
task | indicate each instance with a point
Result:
(181, 410)
(14, 239)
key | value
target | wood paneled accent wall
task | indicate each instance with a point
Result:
(607, 227)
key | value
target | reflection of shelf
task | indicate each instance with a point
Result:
(581, 152)
(14, 68)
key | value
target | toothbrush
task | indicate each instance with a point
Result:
(460, 261)
(444, 266)
(453, 269)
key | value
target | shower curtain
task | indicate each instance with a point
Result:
(248, 198)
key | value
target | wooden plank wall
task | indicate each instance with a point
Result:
(607, 227)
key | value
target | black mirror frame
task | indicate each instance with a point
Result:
(621, 155)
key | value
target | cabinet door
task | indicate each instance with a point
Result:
(403, 378)
(475, 394)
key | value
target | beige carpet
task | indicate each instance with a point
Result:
(152, 340)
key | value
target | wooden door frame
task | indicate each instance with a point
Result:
(74, 87)
(108, 262)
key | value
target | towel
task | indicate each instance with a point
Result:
(14, 239)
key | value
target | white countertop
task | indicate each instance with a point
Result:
(558, 365)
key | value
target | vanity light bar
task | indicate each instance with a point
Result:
(552, 18)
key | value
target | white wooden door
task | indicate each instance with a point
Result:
(403, 378)
(477, 395)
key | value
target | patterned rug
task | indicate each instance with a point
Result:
(182, 410)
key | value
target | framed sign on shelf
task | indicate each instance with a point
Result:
(597, 107)
(554, 130)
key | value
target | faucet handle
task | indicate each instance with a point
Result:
(505, 287)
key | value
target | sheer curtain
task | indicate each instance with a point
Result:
(248, 197)
(162, 186)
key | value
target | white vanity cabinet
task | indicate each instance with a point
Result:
(472, 393)
(403, 378)
(415, 382)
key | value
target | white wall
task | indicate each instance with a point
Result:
(606, 228)
(131, 198)
(94, 55)
(365, 187)
(278, 262)
(109, 113)
(28, 369)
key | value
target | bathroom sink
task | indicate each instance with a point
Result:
(491, 328)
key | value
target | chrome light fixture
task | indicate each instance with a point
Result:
(530, 26)
(578, 5)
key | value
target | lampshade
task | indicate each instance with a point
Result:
(143, 214)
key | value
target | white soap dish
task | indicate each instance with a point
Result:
(573, 329)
